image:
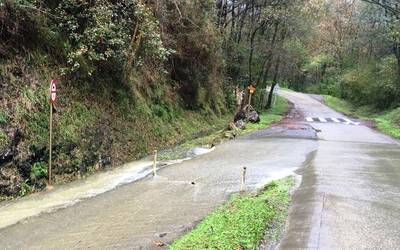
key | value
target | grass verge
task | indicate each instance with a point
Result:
(242, 222)
(268, 117)
(387, 122)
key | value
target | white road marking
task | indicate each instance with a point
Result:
(351, 122)
(347, 120)
(331, 119)
(335, 120)
(322, 119)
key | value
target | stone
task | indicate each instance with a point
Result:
(240, 124)
(241, 115)
(6, 156)
(232, 126)
(253, 117)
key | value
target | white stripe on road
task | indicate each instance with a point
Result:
(322, 119)
(350, 122)
(335, 120)
(347, 120)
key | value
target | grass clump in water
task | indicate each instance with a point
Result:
(242, 222)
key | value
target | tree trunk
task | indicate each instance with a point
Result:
(253, 35)
(233, 21)
(271, 92)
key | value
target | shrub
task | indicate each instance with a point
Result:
(107, 34)
(372, 83)
(3, 118)
(39, 170)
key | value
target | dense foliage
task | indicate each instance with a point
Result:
(351, 51)
(139, 74)
(133, 76)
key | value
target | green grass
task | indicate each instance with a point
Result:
(387, 122)
(216, 134)
(3, 118)
(242, 222)
(4, 140)
(273, 115)
(212, 135)
(340, 105)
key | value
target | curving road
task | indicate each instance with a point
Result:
(349, 197)
(350, 194)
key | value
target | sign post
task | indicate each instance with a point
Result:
(276, 93)
(251, 89)
(53, 97)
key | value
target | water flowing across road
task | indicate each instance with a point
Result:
(137, 214)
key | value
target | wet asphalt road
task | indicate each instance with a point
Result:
(349, 197)
(350, 193)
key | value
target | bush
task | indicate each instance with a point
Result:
(4, 139)
(39, 170)
(108, 35)
(372, 83)
(3, 118)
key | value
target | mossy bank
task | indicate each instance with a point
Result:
(130, 81)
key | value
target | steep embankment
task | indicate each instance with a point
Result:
(133, 76)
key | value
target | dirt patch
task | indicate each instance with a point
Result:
(293, 120)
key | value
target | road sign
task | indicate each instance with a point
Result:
(251, 89)
(53, 91)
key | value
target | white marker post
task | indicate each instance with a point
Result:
(155, 163)
(275, 94)
(243, 180)
(53, 97)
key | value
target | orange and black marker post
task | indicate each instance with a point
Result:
(251, 90)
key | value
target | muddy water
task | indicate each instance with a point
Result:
(137, 215)
(68, 195)
(12, 212)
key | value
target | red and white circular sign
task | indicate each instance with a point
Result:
(53, 91)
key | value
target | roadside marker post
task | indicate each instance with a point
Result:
(251, 89)
(243, 180)
(276, 93)
(53, 98)
(155, 163)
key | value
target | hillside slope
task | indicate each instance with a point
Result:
(133, 76)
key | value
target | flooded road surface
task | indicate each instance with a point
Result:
(350, 194)
(140, 214)
(348, 199)
(67, 195)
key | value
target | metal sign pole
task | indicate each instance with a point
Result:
(52, 100)
(250, 99)
(50, 140)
